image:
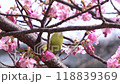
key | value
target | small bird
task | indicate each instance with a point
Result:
(56, 42)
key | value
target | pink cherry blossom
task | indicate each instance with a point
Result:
(39, 66)
(118, 50)
(60, 10)
(47, 56)
(118, 1)
(33, 13)
(78, 50)
(93, 38)
(0, 6)
(12, 18)
(117, 54)
(53, 12)
(27, 2)
(27, 63)
(102, 10)
(94, 1)
(11, 46)
(86, 16)
(4, 39)
(89, 49)
(107, 31)
(116, 19)
(119, 37)
(7, 46)
(77, 18)
(3, 46)
(113, 63)
(67, 49)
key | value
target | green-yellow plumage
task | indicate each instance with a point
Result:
(56, 42)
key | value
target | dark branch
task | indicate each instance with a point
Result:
(99, 58)
(21, 16)
(29, 39)
(58, 29)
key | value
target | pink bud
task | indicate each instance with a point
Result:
(119, 37)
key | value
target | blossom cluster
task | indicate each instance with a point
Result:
(62, 12)
(7, 45)
(12, 18)
(114, 61)
(25, 61)
(87, 45)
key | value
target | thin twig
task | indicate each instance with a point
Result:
(68, 39)
(74, 4)
(71, 17)
(14, 62)
(26, 16)
(15, 56)
(7, 65)
(48, 41)
(68, 4)
(80, 9)
(50, 19)
(74, 47)
(26, 13)
(100, 12)
(114, 7)
(39, 37)
(98, 58)
(61, 53)
(46, 13)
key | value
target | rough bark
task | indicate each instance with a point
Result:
(29, 39)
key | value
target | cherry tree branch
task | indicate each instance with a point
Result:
(75, 47)
(76, 15)
(98, 58)
(12, 58)
(80, 9)
(114, 7)
(21, 16)
(100, 12)
(17, 1)
(46, 13)
(60, 29)
(29, 39)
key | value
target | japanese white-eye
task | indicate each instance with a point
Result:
(56, 42)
